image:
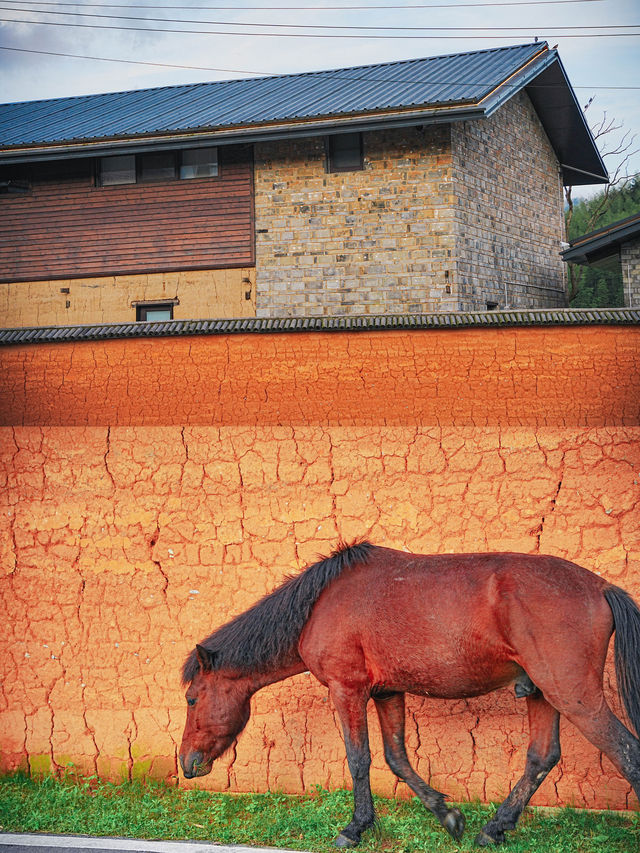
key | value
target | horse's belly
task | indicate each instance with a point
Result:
(443, 679)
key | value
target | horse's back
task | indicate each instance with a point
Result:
(446, 625)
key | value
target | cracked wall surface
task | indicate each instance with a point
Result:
(536, 376)
(123, 545)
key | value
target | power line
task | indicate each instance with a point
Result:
(369, 8)
(271, 74)
(133, 61)
(441, 32)
(310, 26)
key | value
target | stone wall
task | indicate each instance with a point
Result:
(210, 467)
(630, 263)
(363, 242)
(449, 217)
(509, 211)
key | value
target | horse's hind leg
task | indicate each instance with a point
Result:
(599, 724)
(390, 708)
(542, 755)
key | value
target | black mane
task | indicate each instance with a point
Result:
(264, 634)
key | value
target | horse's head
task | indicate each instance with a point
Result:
(218, 708)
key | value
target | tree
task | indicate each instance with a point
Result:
(617, 149)
(599, 287)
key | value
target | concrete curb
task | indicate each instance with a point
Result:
(82, 842)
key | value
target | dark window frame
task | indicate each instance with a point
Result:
(181, 164)
(143, 307)
(100, 171)
(334, 153)
(140, 166)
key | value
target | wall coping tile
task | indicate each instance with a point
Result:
(354, 323)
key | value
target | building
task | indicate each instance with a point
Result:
(613, 247)
(398, 188)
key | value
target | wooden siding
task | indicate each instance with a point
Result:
(65, 226)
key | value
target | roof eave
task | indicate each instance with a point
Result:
(244, 134)
(605, 242)
(564, 122)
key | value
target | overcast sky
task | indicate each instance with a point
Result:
(598, 40)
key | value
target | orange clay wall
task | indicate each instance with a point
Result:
(153, 488)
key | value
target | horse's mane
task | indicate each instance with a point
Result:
(264, 634)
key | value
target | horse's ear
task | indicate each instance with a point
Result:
(206, 659)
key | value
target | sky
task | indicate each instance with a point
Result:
(58, 49)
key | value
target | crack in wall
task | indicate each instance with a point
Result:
(106, 459)
(553, 501)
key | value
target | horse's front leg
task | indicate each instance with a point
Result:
(351, 704)
(390, 708)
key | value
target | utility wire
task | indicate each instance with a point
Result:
(136, 61)
(441, 32)
(368, 8)
(271, 74)
(310, 26)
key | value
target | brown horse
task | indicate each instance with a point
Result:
(373, 623)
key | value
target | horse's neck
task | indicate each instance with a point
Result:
(292, 666)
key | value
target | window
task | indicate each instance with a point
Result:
(117, 170)
(14, 187)
(199, 163)
(154, 311)
(344, 152)
(157, 166)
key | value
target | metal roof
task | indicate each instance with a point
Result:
(441, 88)
(361, 323)
(606, 241)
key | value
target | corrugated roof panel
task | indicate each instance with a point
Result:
(456, 78)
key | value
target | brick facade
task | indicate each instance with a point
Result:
(509, 212)
(445, 217)
(630, 262)
(364, 242)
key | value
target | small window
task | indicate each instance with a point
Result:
(160, 166)
(344, 152)
(117, 170)
(152, 312)
(199, 163)
(492, 306)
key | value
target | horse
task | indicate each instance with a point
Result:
(372, 623)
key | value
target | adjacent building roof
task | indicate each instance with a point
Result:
(419, 91)
(277, 325)
(603, 243)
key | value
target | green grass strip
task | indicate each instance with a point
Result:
(311, 822)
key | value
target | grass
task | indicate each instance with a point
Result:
(311, 822)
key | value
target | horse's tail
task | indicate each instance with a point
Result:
(626, 621)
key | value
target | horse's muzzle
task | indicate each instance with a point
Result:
(194, 765)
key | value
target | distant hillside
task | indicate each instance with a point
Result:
(601, 287)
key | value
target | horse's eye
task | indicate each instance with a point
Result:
(191, 701)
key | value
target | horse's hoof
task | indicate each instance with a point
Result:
(344, 841)
(483, 839)
(455, 823)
